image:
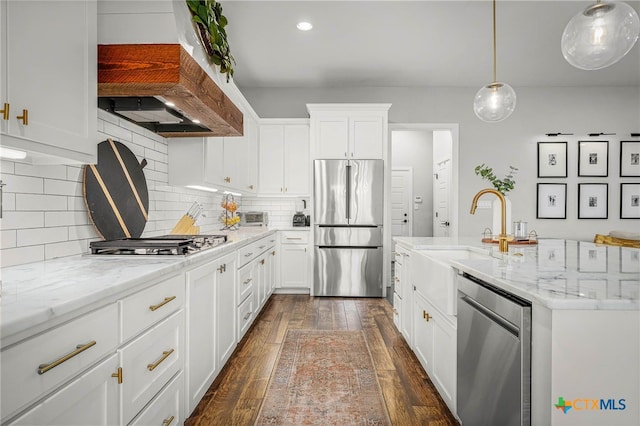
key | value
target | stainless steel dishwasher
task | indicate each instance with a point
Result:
(494, 355)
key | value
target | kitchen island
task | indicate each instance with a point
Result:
(585, 303)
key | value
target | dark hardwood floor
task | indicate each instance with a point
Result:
(236, 395)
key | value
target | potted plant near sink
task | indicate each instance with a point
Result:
(503, 186)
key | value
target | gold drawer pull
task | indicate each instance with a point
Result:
(164, 356)
(161, 304)
(294, 238)
(426, 316)
(261, 247)
(5, 111)
(167, 422)
(24, 117)
(262, 262)
(248, 255)
(273, 253)
(247, 281)
(43, 368)
(246, 317)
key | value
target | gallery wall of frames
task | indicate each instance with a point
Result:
(593, 159)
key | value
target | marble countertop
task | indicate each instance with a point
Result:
(37, 296)
(558, 274)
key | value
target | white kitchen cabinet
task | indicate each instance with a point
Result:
(352, 131)
(226, 308)
(166, 407)
(48, 70)
(91, 399)
(201, 349)
(215, 162)
(403, 289)
(284, 157)
(435, 345)
(294, 259)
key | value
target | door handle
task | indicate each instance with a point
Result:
(405, 221)
(444, 223)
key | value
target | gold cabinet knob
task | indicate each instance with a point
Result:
(24, 117)
(5, 111)
(426, 316)
(227, 179)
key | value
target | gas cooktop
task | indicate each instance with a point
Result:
(162, 245)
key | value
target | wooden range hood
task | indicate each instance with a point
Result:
(169, 72)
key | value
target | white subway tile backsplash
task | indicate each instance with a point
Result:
(23, 184)
(8, 239)
(35, 236)
(62, 187)
(45, 171)
(53, 221)
(40, 202)
(22, 255)
(22, 220)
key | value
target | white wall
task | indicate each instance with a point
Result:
(539, 110)
(414, 148)
(45, 214)
(280, 209)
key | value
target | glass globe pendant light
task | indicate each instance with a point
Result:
(496, 101)
(600, 35)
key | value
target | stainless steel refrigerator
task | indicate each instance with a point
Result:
(348, 213)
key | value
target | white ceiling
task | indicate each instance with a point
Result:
(409, 43)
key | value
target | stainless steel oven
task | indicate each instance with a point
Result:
(494, 355)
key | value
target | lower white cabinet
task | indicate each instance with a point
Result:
(225, 311)
(148, 363)
(294, 259)
(435, 344)
(166, 408)
(91, 399)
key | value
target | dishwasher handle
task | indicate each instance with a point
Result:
(511, 328)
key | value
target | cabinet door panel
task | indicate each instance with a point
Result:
(92, 399)
(252, 155)
(293, 266)
(201, 359)
(332, 138)
(236, 158)
(51, 71)
(296, 160)
(444, 361)
(271, 159)
(423, 333)
(366, 137)
(226, 309)
(213, 161)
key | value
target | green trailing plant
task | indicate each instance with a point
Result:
(501, 185)
(208, 17)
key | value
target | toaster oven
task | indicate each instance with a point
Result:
(254, 218)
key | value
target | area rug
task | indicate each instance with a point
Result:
(324, 377)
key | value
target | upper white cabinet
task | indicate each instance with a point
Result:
(284, 157)
(214, 162)
(340, 131)
(49, 79)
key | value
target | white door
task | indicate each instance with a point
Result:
(401, 195)
(441, 202)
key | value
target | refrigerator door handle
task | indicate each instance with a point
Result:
(348, 187)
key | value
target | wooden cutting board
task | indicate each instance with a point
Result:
(115, 192)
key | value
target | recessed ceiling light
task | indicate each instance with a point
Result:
(196, 121)
(304, 26)
(169, 104)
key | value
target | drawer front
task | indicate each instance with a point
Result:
(397, 308)
(245, 282)
(67, 350)
(245, 316)
(143, 309)
(166, 408)
(149, 362)
(294, 237)
(247, 253)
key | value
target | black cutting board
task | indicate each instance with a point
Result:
(115, 191)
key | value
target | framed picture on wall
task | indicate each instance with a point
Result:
(593, 158)
(630, 201)
(552, 159)
(629, 158)
(552, 201)
(593, 200)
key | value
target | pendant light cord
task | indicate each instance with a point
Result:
(494, 42)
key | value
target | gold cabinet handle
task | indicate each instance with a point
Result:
(24, 117)
(246, 317)
(261, 247)
(222, 269)
(164, 356)
(262, 262)
(247, 281)
(273, 253)
(118, 375)
(5, 111)
(248, 254)
(227, 179)
(426, 316)
(167, 421)
(161, 304)
(250, 186)
(294, 238)
(43, 368)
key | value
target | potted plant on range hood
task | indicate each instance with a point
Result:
(210, 22)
